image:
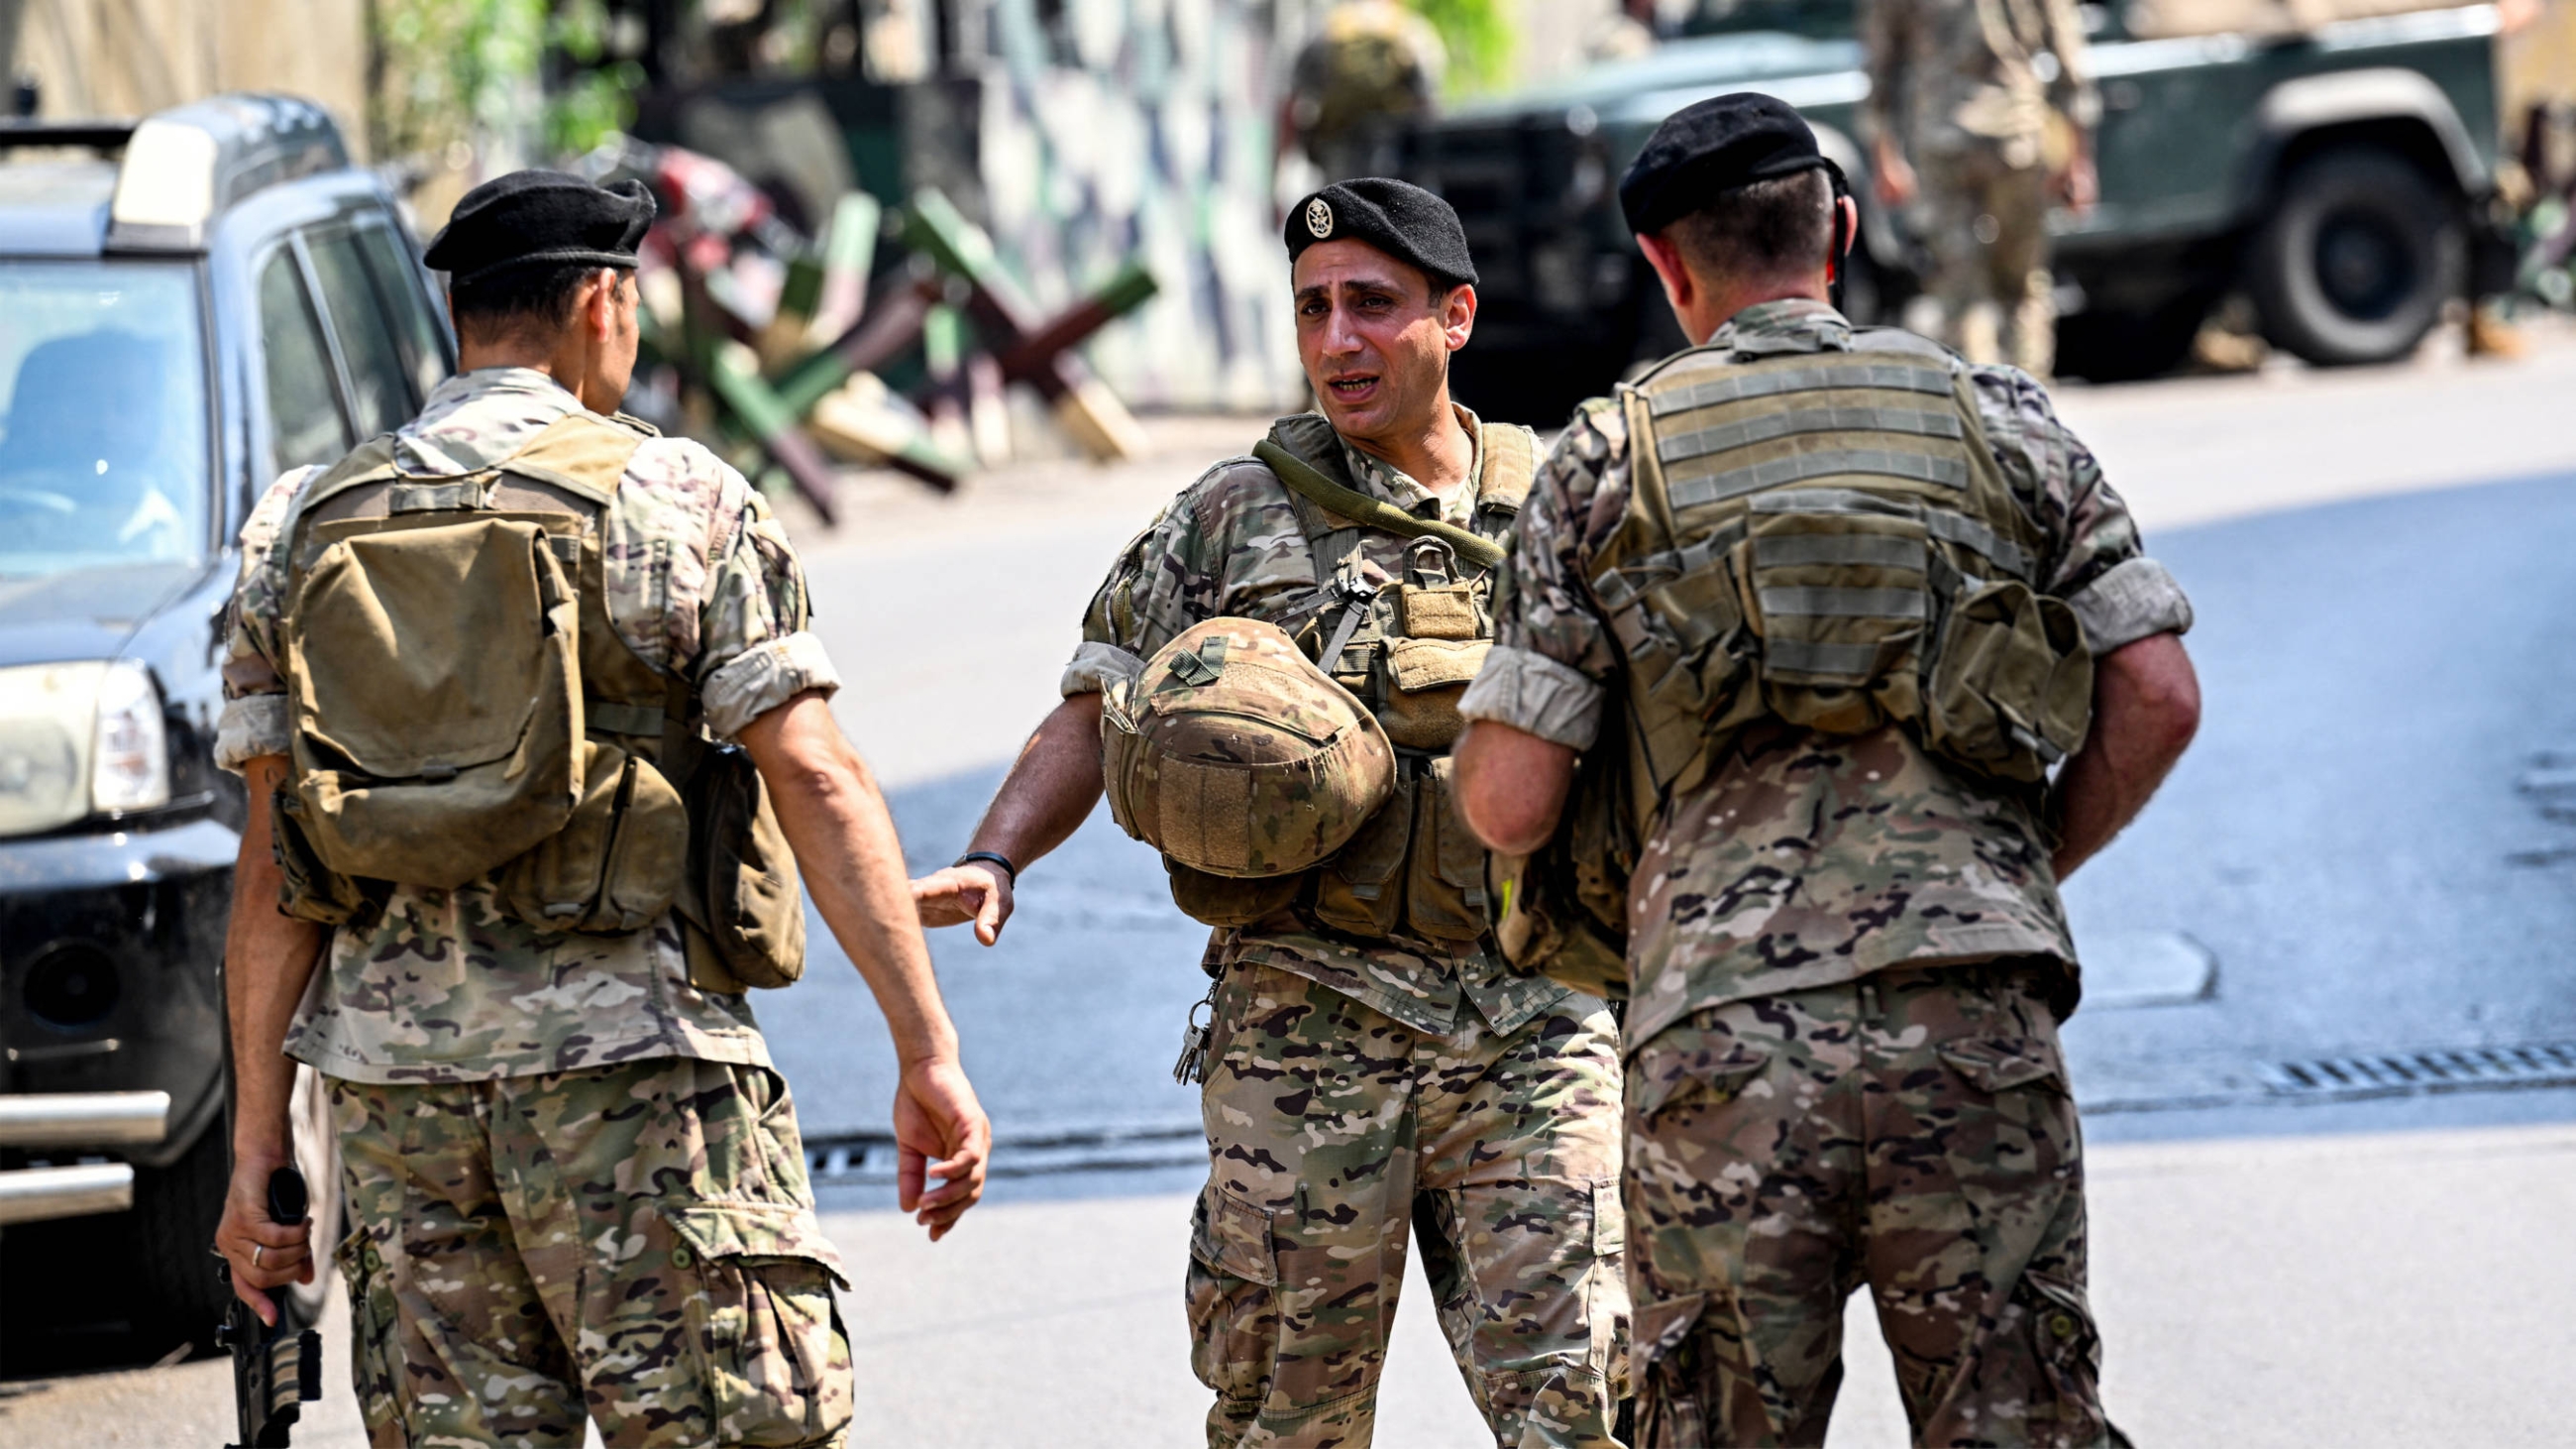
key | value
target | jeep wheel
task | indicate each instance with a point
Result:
(2357, 259)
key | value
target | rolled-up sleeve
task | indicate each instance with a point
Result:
(256, 720)
(1535, 695)
(2136, 598)
(754, 652)
(762, 678)
(1095, 666)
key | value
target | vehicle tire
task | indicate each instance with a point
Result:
(179, 1295)
(2357, 258)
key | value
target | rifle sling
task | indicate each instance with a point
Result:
(1360, 508)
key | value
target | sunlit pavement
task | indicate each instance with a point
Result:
(2358, 860)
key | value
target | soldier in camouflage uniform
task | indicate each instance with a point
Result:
(1372, 65)
(1361, 1086)
(1847, 956)
(1983, 110)
(574, 1181)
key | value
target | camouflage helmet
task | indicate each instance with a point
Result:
(1233, 754)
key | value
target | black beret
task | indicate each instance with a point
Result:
(1702, 151)
(530, 217)
(1396, 217)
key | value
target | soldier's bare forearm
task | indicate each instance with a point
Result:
(1051, 788)
(2146, 707)
(268, 960)
(835, 821)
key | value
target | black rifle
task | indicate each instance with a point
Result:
(276, 1370)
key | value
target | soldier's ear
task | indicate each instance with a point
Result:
(1458, 315)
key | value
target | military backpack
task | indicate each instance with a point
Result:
(462, 709)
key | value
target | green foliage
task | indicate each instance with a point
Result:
(451, 71)
(1477, 36)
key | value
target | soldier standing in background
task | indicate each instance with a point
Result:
(1373, 64)
(480, 679)
(1846, 602)
(1984, 111)
(1372, 1070)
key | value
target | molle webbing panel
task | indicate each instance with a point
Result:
(1737, 385)
(1759, 426)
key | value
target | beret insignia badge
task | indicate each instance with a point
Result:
(1319, 218)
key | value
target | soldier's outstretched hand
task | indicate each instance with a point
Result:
(939, 1131)
(974, 891)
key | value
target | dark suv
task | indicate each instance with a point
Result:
(2341, 177)
(188, 306)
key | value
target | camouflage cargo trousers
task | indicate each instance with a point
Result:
(1911, 1132)
(1333, 1130)
(1986, 224)
(633, 1244)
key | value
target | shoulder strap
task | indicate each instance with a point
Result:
(1510, 466)
(1305, 479)
(582, 453)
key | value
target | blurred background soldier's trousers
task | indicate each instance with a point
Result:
(1986, 224)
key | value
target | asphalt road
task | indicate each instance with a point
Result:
(2359, 859)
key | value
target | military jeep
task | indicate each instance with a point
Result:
(2340, 176)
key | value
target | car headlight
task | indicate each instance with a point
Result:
(130, 764)
(76, 739)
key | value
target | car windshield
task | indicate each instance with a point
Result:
(103, 456)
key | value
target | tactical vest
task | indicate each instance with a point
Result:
(1825, 539)
(1817, 538)
(1407, 650)
(462, 709)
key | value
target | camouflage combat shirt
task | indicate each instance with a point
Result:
(1947, 76)
(1229, 545)
(1807, 860)
(443, 987)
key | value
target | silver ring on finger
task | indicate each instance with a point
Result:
(255, 1250)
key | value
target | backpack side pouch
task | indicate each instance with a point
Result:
(742, 893)
(618, 862)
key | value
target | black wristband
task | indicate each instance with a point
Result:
(1010, 872)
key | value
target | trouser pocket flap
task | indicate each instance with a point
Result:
(1232, 1236)
(757, 1283)
(1659, 1327)
(715, 1232)
(2000, 1064)
(1685, 1067)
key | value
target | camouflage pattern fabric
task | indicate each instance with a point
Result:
(1332, 1129)
(1957, 75)
(1229, 544)
(1986, 223)
(1373, 62)
(1808, 861)
(442, 987)
(635, 1245)
(1913, 1133)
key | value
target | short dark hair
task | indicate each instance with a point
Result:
(1781, 225)
(529, 300)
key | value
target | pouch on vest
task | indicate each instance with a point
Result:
(616, 864)
(1839, 602)
(1361, 889)
(1444, 889)
(2012, 686)
(434, 705)
(1562, 911)
(744, 897)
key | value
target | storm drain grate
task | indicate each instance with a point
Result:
(2461, 1069)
